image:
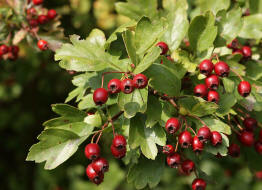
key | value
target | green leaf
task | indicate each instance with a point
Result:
(68, 111)
(216, 125)
(226, 102)
(145, 138)
(129, 40)
(131, 108)
(252, 158)
(221, 149)
(214, 6)
(229, 84)
(255, 6)
(153, 112)
(254, 70)
(202, 32)
(87, 102)
(146, 172)
(97, 38)
(252, 27)
(94, 120)
(203, 108)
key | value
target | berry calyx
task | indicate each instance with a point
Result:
(114, 86)
(201, 90)
(233, 44)
(93, 175)
(163, 46)
(42, 45)
(199, 184)
(206, 67)
(172, 125)
(258, 147)
(100, 96)
(51, 14)
(168, 149)
(204, 134)
(244, 88)
(250, 123)
(3, 49)
(221, 69)
(234, 150)
(173, 160)
(188, 166)
(127, 86)
(38, 2)
(92, 151)
(216, 138)
(185, 139)
(140, 81)
(212, 82)
(247, 138)
(119, 142)
(197, 145)
(247, 52)
(118, 153)
(42, 19)
(213, 96)
(100, 165)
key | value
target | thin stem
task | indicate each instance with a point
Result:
(176, 146)
(236, 73)
(113, 128)
(199, 119)
(214, 55)
(105, 73)
(241, 111)
(173, 103)
(238, 125)
(230, 125)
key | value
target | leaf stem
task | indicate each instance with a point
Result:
(236, 73)
(199, 119)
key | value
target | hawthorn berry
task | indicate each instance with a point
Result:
(212, 82)
(51, 14)
(188, 166)
(233, 44)
(42, 19)
(244, 88)
(100, 96)
(100, 165)
(213, 96)
(3, 49)
(172, 125)
(119, 142)
(234, 150)
(118, 153)
(140, 81)
(42, 45)
(222, 69)
(163, 46)
(247, 52)
(206, 67)
(201, 90)
(247, 138)
(127, 86)
(216, 138)
(95, 177)
(114, 86)
(13, 49)
(250, 123)
(168, 149)
(38, 2)
(260, 135)
(199, 184)
(204, 134)
(185, 139)
(238, 51)
(33, 23)
(197, 145)
(92, 151)
(31, 12)
(173, 160)
(258, 147)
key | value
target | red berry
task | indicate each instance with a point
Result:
(140, 81)
(188, 166)
(118, 153)
(185, 139)
(92, 151)
(244, 88)
(42, 19)
(172, 125)
(201, 90)
(163, 46)
(100, 165)
(168, 149)
(258, 147)
(127, 86)
(199, 184)
(212, 82)
(13, 49)
(247, 52)
(38, 2)
(119, 142)
(31, 12)
(51, 14)
(213, 96)
(250, 123)
(11, 56)
(222, 69)
(173, 160)
(206, 67)
(237, 51)
(234, 150)
(100, 96)
(216, 138)
(233, 44)
(42, 45)
(260, 135)
(33, 23)
(197, 145)
(3, 49)
(93, 175)
(247, 138)
(204, 134)
(114, 86)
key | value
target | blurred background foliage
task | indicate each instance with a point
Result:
(31, 84)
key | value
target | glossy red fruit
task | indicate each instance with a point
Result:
(140, 81)
(163, 46)
(173, 160)
(172, 125)
(234, 150)
(100, 96)
(118, 153)
(42, 45)
(100, 165)
(13, 49)
(258, 147)
(206, 67)
(260, 135)
(119, 142)
(92, 151)
(188, 166)
(247, 138)
(42, 19)
(127, 86)
(222, 69)
(185, 139)
(250, 123)
(168, 149)
(212, 82)
(12, 56)
(33, 23)
(204, 134)
(197, 145)
(32, 11)
(38, 2)
(213, 96)
(233, 44)
(201, 90)
(237, 51)
(51, 14)
(244, 88)
(199, 184)
(3, 49)
(216, 138)
(247, 52)
(93, 175)
(114, 86)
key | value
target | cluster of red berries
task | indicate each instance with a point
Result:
(11, 52)
(96, 169)
(115, 86)
(245, 51)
